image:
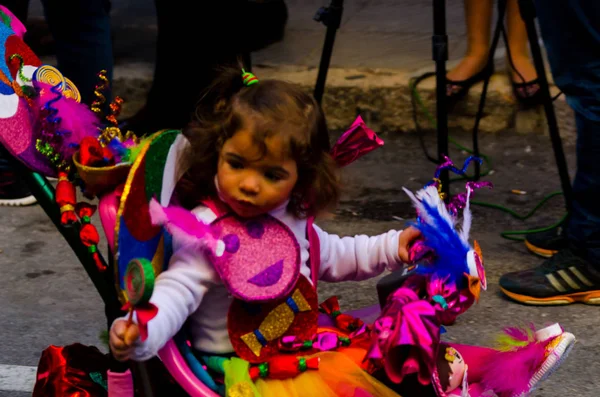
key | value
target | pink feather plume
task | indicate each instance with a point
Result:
(509, 371)
(75, 117)
(183, 225)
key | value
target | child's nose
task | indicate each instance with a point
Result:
(250, 185)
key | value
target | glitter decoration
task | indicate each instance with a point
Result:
(255, 255)
(240, 389)
(276, 323)
(459, 201)
(248, 78)
(98, 92)
(49, 75)
(115, 110)
(269, 276)
(296, 315)
(232, 243)
(21, 63)
(255, 229)
(139, 281)
(156, 156)
(71, 91)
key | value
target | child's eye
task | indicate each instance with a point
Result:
(235, 164)
(272, 176)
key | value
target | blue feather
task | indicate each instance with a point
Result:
(450, 251)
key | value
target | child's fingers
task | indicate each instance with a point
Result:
(407, 237)
(122, 355)
(132, 333)
(119, 328)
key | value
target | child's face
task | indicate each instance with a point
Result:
(251, 182)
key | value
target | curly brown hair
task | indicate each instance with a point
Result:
(270, 107)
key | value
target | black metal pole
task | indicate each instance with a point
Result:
(44, 193)
(527, 9)
(331, 17)
(440, 56)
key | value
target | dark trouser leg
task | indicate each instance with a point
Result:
(571, 33)
(187, 31)
(83, 41)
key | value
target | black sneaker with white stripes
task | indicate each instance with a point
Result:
(563, 279)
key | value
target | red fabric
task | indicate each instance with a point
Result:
(85, 209)
(66, 196)
(314, 249)
(92, 154)
(145, 313)
(65, 372)
(345, 322)
(244, 318)
(89, 235)
(284, 367)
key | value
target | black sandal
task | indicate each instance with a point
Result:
(528, 93)
(458, 89)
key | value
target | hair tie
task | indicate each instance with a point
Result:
(248, 78)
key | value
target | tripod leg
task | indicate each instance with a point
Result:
(440, 56)
(331, 17)
(527, 9)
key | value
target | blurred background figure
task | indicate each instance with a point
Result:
(472, 68)
(80, 36)
(194, 38)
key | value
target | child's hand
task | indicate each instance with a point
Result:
(122, 337)
(406, 239)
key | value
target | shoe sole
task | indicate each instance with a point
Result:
(588, 297)
(554, 360)
(544, 253)
(21, 202)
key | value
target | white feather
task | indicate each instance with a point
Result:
(467, 219)
(418, 206)
(430, 196)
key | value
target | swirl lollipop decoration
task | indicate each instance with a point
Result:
(139, 284)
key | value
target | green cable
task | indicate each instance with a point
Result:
(510, 234)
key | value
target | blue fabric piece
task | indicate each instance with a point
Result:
(130, 248)
(260, 337)
(5, 31)
(290, 302)
(6, 89)
(193, 363)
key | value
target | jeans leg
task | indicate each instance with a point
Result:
(81, 30)
(571, 33)
(584, 225)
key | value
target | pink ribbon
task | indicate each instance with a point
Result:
(357, 141)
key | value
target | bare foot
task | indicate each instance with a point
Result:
(525, 68)
(468, 67)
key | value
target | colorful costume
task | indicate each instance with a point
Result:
(248, 286)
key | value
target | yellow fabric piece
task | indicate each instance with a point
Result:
(337, 376)
(237, 379)
(277, 322)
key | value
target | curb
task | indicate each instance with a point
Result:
(382, 97)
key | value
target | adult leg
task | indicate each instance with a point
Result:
(81, 30)
(572, 37)
(478, 18)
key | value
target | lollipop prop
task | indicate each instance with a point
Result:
(139, 284)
